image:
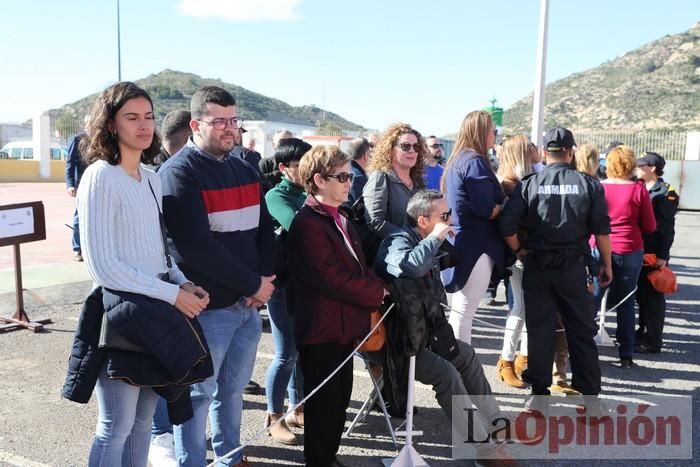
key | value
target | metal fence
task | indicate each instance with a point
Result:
(670, 144)
(64, 127)
(11, 132)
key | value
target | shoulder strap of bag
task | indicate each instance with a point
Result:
(161, 220)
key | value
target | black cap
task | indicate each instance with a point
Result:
(558, 139)
(651, 159)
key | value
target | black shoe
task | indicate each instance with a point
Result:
(252, 388)
(643, 348)
(626, 363)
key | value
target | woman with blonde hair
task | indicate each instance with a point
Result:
(397, 172)
(631, 215)
(515, 163)
(476, 199)
(587, 159)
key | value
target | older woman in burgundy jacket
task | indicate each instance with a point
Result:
(334, 293)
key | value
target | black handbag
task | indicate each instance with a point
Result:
(442, 340)
(110, 337)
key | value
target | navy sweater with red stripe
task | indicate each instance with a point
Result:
(218, 223)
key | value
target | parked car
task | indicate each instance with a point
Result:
(25, 150)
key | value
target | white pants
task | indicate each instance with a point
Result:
(515, 324)
(465, 302)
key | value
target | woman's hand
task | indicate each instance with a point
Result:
(197, 290)
(496, 211)
(190, 304)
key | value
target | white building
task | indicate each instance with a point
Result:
(262, 132)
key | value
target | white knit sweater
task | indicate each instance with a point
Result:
(120, 233)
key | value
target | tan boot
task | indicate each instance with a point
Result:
(280, 432)
(520, 365)
(507, 373)
(296, 418)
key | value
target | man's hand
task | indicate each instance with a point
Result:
(266, 288)
(442, 230)
(605, 275)
(189, 304)
(72, 191)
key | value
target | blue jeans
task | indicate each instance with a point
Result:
(75, 238)
(161, 421)
(284, 371)
(232, 334)
(625, 270)
(123, 432)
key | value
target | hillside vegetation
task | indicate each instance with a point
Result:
(656, 86)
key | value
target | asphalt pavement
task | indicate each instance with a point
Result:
(38, 428)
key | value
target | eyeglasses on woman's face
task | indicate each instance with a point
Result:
(406, 147)
(343, 177)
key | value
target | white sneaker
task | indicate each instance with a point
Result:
(162, 451)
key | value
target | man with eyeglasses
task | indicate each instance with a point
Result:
(409, 261)
(223, 236)
(433, 169)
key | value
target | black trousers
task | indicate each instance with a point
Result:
(324, 413)
(550, 289)
(652, 313)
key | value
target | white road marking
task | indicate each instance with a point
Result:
(19, 461)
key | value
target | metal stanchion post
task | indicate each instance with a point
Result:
(408, 457)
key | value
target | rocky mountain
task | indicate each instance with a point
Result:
(171, 90)
(656, 86)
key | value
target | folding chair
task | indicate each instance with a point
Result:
(375, 396)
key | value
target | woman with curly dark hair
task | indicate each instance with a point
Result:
(397, 172)
(118, 204)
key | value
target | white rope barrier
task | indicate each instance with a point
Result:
(503, 328)
(261, 433)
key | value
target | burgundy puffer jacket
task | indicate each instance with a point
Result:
(332, 293)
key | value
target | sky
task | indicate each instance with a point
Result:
(373, 62)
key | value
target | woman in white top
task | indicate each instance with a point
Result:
(118, 203)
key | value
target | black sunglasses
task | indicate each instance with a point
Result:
(445, 216)
(436, 145)
(405, 147)
(343, 177)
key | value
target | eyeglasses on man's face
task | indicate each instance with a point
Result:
(436, 146)
(406, 147)
(222, 123)
(445, 216)
(343, 177)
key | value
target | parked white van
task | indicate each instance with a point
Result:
(25, 150)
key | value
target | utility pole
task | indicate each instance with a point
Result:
(119, 47)
(538, 98)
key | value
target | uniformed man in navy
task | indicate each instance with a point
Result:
(559, 209)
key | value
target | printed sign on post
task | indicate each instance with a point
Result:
(17, 222)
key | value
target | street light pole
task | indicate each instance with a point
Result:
(119, 47)
(538, 98)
